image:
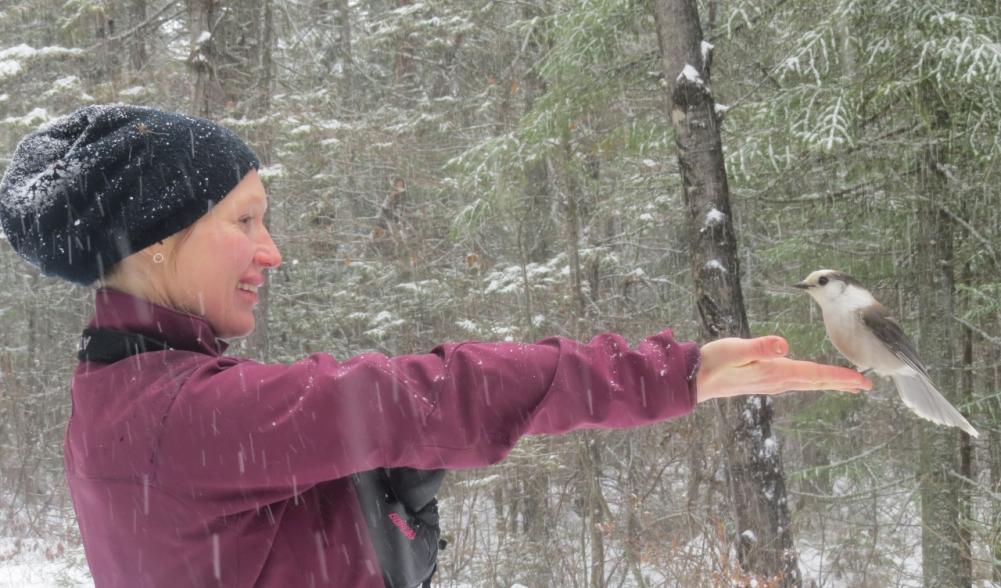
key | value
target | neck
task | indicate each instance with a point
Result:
(131, 277)
(854, 298)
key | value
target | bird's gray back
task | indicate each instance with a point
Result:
(877, 319)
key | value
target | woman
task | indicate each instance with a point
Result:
(191, 467)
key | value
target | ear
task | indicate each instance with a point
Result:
(150, 250)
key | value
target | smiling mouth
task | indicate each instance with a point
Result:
(247, 287)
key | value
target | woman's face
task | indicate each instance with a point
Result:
(217, 266)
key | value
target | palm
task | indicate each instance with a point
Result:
(735, 367)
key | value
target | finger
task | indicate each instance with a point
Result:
(743, 351)
(807, 375)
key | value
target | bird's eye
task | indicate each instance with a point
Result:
(822, 281)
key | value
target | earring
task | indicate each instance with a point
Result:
(158, 257)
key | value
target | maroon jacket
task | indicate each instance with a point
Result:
(188, 467)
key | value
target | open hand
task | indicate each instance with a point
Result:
(734, 367)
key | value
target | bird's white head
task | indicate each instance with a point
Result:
(835, 290)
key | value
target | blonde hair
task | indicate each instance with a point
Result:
(114, 277)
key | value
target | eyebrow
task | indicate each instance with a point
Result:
(258, 199)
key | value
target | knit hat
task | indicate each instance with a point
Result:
(90, 188)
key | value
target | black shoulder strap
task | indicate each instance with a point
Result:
(415, 488)
(108, 346)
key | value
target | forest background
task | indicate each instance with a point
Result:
(507, 169)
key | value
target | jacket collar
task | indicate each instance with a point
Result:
(119, 311)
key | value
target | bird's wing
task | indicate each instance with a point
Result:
(877, 318)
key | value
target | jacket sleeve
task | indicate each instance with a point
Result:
(238, 425)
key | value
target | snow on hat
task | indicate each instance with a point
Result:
(92, 187)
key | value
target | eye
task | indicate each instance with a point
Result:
(246, 220)
(822, 281)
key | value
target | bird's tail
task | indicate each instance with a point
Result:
(920, 395)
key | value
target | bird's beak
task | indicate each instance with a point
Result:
(802, 285)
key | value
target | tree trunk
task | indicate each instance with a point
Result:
(403, 67)
(634, 525)
(941, 509)
(201, 16)
(568, 191)
(138, 55)
(596, 507)
(265, 59)
(260, 340)
(537, 525)
(757, 482)
(344, 64)
(538, 199)
(338, 60)
(994, 454)
(534, 239)
(568, 196)
(232, 67)
(230, 55)
(108, 66)
(966, 449)
(388, 235)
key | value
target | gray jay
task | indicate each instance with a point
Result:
(862, 330)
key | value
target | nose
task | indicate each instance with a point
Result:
(267, 254)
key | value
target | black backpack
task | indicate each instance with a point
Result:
(398, 504)
(401, 511)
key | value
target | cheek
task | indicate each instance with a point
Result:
(215, 263)
(233, 253)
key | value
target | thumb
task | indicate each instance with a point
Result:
(743, 351)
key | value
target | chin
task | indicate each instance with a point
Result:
(235, 331)
(239, 333)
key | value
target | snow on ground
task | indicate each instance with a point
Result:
(40, 546)
(42, 563)
(57, 560)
